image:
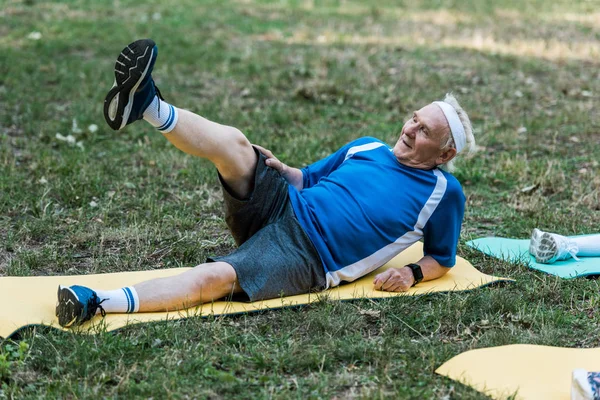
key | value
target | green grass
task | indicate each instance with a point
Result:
(301, 78)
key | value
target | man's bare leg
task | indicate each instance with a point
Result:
(134, 96)
(201, 284)
(225, 146)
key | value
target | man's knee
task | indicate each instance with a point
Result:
(237, 139)
(237, 153)
(218, 278)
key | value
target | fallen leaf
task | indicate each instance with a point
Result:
(34, 35)
(530, 189)
(69, 138)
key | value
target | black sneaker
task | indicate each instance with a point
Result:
(134, 89)
(77, 304)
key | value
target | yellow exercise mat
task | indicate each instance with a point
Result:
(529, 371)
(31, 300)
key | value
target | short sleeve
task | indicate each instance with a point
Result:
(442, 231)
(312, 173)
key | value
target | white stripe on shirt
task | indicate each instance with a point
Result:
(365, 147)
(368, 264)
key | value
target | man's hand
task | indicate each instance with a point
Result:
(395, 280)
(402, 279)
(292, 175)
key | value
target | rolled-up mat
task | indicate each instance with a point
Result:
(26, 301)
(529, 371)
(517, 250)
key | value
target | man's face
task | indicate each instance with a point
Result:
(422, 137)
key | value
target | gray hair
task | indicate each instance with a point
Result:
(466, 122)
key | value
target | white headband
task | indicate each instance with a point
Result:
(456, 127)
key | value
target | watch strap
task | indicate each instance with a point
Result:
(417, 272)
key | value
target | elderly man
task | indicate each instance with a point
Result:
(298, 230)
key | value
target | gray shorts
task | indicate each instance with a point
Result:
(275, 257)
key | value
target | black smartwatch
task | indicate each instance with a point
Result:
(417, 272)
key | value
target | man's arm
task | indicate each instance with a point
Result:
(293, 176)
(402, 279)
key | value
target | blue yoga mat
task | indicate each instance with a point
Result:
(513, 250)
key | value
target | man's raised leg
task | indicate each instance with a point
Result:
(134, 96)
(204, 283)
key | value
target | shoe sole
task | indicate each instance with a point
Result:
(68, 308)
(131, 68)
(547, 249)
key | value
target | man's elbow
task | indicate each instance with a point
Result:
(442, 270)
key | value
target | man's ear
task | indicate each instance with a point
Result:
(446, 156)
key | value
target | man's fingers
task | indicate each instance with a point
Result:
(271, 160)
(399, 287)
(395, 287)
(391, 280)
(266, 152)
(275, 164)
(380, 279)
(377, 282)
(389, 284)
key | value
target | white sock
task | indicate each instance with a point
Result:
(589, 246)
(124, 300)
(161, 115)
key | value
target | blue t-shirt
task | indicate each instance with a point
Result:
(360, 207)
